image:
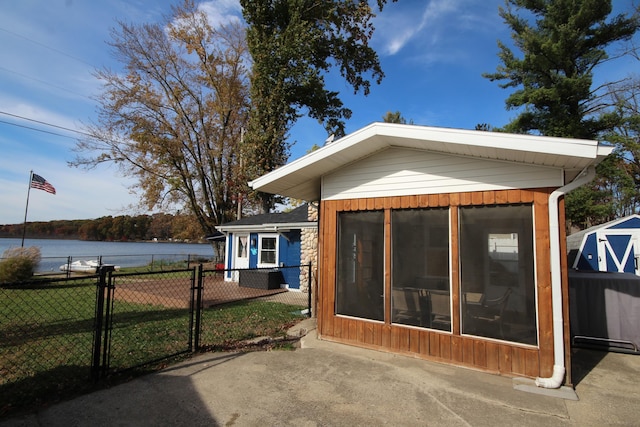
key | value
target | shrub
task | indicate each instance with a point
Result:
(18, 264)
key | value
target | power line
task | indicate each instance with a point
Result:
(44, 82)
(36, 129)
(42, 123)
(58, 51)
(53, 49)
(79, 132)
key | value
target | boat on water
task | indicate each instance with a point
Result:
(83, 266)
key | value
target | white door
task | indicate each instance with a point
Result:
(241, 258)
(617, 250)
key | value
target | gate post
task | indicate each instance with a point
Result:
(102, 289)
(196, 303)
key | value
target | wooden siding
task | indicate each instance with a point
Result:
(406, 172)
(494, 356)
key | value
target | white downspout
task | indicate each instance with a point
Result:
(555, 381)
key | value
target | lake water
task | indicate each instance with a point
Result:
(125, 254)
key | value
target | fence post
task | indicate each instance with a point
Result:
(102, 288)
(310, 290)
(108, 316)
(197, 304)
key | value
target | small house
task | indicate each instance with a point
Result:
(270, 241)
(613, 246)
(444, 244)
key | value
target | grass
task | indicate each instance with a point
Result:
(223, 326)
(46, 336)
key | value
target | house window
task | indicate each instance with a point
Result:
(497, 280)
(360, 265)
(268, 249)
(421, 294)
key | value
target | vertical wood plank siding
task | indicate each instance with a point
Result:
(494, 356)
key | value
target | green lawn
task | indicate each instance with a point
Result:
(46, 336)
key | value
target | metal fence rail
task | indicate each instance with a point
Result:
(65, 266)
(61, 334)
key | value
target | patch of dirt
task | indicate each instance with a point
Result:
(176, 292)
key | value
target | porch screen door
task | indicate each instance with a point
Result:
(360, 262)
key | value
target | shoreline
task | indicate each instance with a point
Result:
(188, 242)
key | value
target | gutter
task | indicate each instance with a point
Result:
(555, 381)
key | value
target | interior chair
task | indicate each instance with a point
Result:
(489, 313)
(407, 307)
(439, 309)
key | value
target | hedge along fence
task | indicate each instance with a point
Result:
(56, 335)
(18, 264)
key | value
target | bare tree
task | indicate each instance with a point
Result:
(173, 119)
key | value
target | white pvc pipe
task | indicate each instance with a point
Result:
(555, 381)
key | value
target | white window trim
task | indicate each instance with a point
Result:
(260, 238)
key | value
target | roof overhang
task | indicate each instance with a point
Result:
(301, 179)
(266, 228)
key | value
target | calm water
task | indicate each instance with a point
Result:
(125, 254)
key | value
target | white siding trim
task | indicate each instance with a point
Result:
(403, 172)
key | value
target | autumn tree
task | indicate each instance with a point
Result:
(294, 44)
(562, 42)
(173, 118)
(396, 117)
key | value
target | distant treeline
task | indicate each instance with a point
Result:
(119, 228)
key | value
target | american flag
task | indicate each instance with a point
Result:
(41, 184)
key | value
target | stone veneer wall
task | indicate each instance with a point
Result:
(309, 249)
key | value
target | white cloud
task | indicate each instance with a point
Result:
(221, 12)
(56, 139)
(49, 51)
(433, 16)
(438, 31)
(79, 194)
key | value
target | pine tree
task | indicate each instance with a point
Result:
(562, 42)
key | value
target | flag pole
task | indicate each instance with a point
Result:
(24, 227)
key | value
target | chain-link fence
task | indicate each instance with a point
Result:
(148, 318)
(58, 334)
(238, 305)
(46, 336)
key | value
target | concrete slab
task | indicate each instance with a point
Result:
(329, 384)
(528, 385)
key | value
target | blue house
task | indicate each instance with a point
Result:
(613, 246)
(273, 240)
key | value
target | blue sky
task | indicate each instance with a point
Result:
(432, 52)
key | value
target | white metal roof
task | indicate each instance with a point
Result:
(301, 179)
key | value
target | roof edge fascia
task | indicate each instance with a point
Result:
(271, 227)
(591, 149)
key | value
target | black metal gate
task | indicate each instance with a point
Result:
(143, 318)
